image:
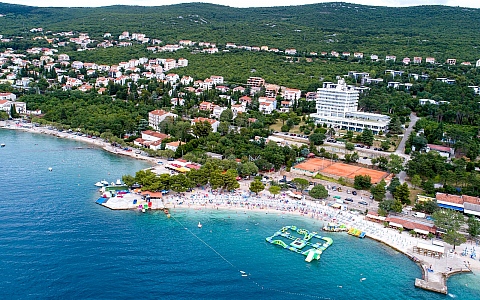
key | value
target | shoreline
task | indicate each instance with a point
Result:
(312, 210)
(98, 142)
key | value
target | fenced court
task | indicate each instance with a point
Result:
(314, 164)
(337, 170)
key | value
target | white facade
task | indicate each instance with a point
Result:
(337, 107)
(336, 100)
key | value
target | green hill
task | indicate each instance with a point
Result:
(423, 30)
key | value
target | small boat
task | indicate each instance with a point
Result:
(199, 225)
(104, 182)
(50, 169)
(118, 182)
(98, 184)
(243, 274)
(2, 145)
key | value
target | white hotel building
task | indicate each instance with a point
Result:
(337, 105)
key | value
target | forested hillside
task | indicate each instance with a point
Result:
(424, 30)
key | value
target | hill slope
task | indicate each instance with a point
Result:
(318, 27)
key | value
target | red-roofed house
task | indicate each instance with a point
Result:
(157, 116)
(206, 106)
(421, 228)
(442, 150)
(467, 204)
(212, 122)
(172, 146)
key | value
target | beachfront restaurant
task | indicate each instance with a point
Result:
(436, 251)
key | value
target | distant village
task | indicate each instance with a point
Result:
(91, 76)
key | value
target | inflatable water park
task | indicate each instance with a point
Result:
(301, 241)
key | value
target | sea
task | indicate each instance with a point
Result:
(57, 243)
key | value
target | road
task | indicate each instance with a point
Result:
(401, 147)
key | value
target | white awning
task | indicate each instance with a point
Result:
(380, 218)
(396, 225)
(421, 231)
(431, 247)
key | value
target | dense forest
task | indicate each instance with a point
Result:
(438, 31)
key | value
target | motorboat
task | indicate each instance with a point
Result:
(99, 184)
(50, 169)
(199, 225)
(2, 145)
(118, 182)
(104, 182)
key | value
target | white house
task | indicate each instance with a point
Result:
(212, 122)
(157, 116)
(8, 96)
(172, 146)
(291, 94)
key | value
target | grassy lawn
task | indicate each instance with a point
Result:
(295, 129)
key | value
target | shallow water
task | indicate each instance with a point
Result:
(57, 243)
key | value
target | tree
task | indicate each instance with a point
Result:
(394, 183)
(362, 182)
(318, 192)
(349, 146)
(416, 180)
(274, 190)
(226, 115)
(395, 126)
(301, 183)
(248, 168)
(256, 186)
(385, 145)
(395, 164)
(367, 137)
(352, 157)
(473, 226)
(402, 193)
(202, 129)
(378, 191)
(450, 221)
(230, 182)
(283, 117)
(389, 205)
(317, 138)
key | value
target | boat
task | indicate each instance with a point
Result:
(243, 274)
(50, 169)
(118, 182)
(104, 182)
(2, 145)
(199, 225)
(98, 184)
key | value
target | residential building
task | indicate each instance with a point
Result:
(172, 146)
(155, 117)
(417, 60)
(390, 58)
(8, 96)
(255, 82)
(477, 64)
(212, 122)
(442, 150)
(451, 61)
(291, 94)
(217, 111)
(291, 51)
(271, 90)
(206, 106)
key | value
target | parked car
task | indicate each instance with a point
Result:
(354, 193)
(362, 203)
(349, 199)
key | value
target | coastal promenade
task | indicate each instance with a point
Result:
(435, 270)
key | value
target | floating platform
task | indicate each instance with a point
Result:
(356, 232)
(310, 244)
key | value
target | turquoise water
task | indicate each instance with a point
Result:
(57, 243)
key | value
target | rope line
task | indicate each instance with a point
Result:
(260, 286)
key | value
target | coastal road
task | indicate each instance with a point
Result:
(401, 147)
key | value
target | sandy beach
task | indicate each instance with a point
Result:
(242, 201)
